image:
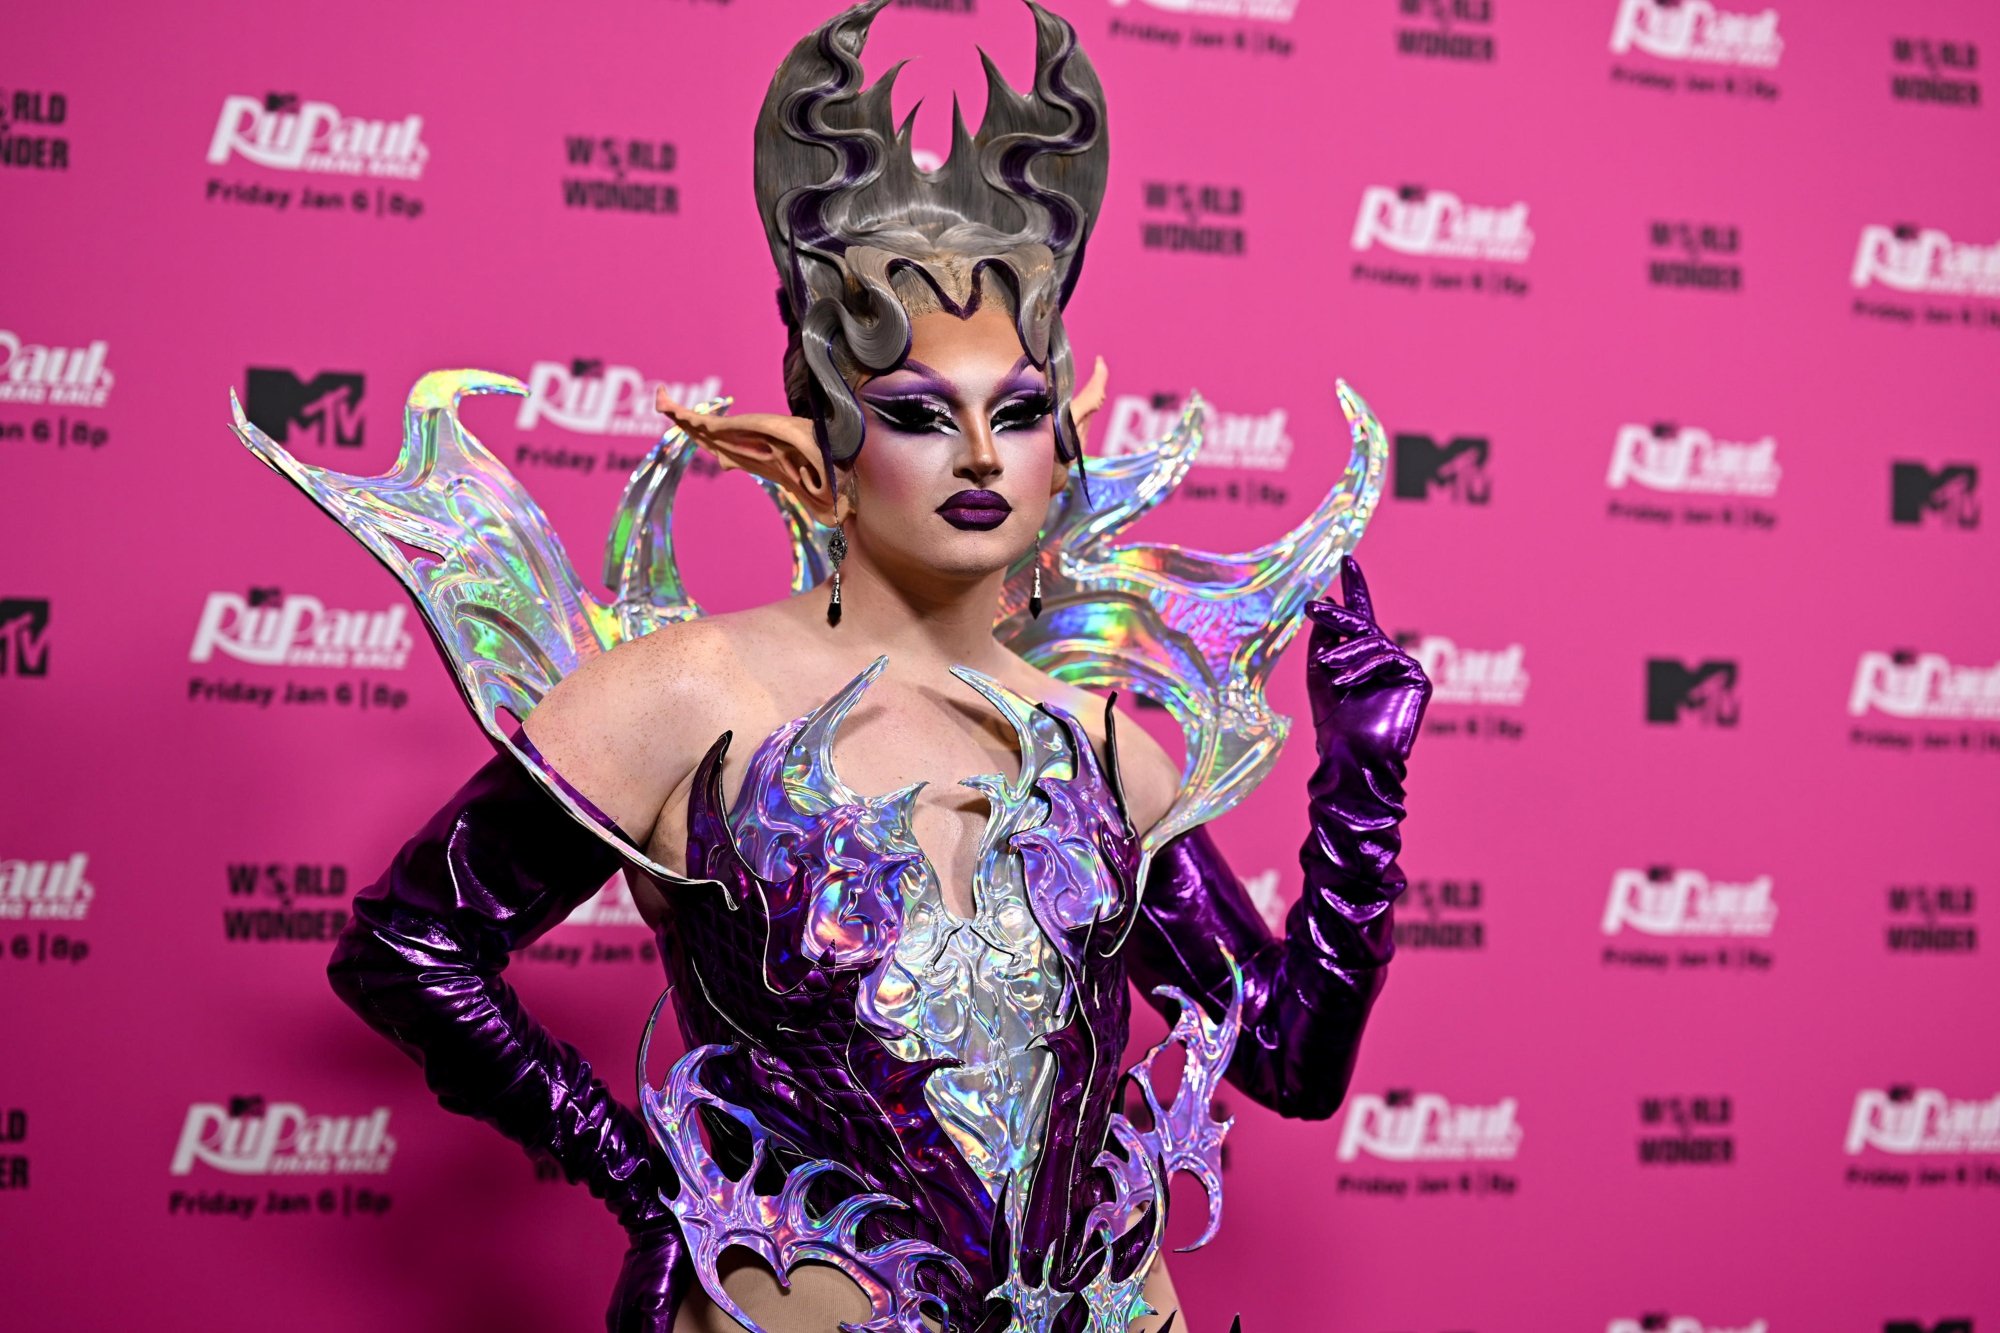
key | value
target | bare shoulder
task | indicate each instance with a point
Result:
(628, 725)
(1150, 777)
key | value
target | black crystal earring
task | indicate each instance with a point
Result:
(836, 550)
(1035, 591)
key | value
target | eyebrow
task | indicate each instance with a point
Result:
(1008, 382)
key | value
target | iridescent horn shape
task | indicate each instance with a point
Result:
(486, 569)
(1198, 631)
(717, 1211)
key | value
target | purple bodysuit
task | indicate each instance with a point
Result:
(926, 1101)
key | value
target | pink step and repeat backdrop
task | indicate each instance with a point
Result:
(1684, 321)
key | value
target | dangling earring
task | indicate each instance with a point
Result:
(836, 550)
(1035, 592)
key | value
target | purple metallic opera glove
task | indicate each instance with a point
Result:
(1307, 995)
(492, 871)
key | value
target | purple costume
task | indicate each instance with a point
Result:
(928, 1102)
(780, 968)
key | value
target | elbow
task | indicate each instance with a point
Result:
(1305, 1078)
(353, 966)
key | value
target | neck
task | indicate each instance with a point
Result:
(934, 622)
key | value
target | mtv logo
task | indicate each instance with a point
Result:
(1457, 469)
(24, 636)
(326, 408)
(1949, 495)
(1706, 692)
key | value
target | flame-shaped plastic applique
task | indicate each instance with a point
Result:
(717, 1211)
(1183, 1135)
(487, 571)
(1198, 631)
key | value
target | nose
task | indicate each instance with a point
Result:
(979, 462)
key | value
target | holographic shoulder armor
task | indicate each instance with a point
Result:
(922, 1100)
(1198, 631)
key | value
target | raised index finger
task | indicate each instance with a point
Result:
(1354, 589)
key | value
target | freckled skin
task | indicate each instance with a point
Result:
(629, 727)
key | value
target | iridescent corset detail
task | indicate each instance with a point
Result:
(979, 991)
(959, 1073)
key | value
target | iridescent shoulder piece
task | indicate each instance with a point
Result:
(487, 571)
(1197, 631)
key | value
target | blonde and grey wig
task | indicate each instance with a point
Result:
(863, 237)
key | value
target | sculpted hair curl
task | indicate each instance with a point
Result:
(863, 238)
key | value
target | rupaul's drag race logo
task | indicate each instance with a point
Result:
(53, 376)
(587, 396)
(1479, 691)
(1909, 1121)
(1437, 224)
(249, 1137)
(1257, 441)
(283, 133)
(1912, 685)
(1405, 1126)
(1659, 1321)
(45, 890)
(1697, 30)
(1689, 460)
(1493, 676)
(271, 628)
(1662, 900)
(1925, 262)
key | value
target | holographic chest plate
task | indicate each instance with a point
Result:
(979, 991)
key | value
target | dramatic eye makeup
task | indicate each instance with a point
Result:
(1024, 412)
(913, 413)
(924, 406)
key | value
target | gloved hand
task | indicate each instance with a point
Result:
(420, 961)
(1307, 995)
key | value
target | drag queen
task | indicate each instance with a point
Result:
(903, 864)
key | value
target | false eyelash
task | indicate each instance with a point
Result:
(1024, 413)
(913, 416)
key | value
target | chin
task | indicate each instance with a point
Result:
(972, 554)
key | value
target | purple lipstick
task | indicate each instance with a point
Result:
(975, 511)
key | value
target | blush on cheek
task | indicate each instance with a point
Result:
(896, 475)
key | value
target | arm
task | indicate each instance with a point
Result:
(421, 959)
(1307, 994)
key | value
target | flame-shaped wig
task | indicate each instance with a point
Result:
(861, 234)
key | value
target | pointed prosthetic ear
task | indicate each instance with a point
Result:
(777, 448)
(1083, 405)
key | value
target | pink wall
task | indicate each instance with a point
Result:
(1663, 289)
